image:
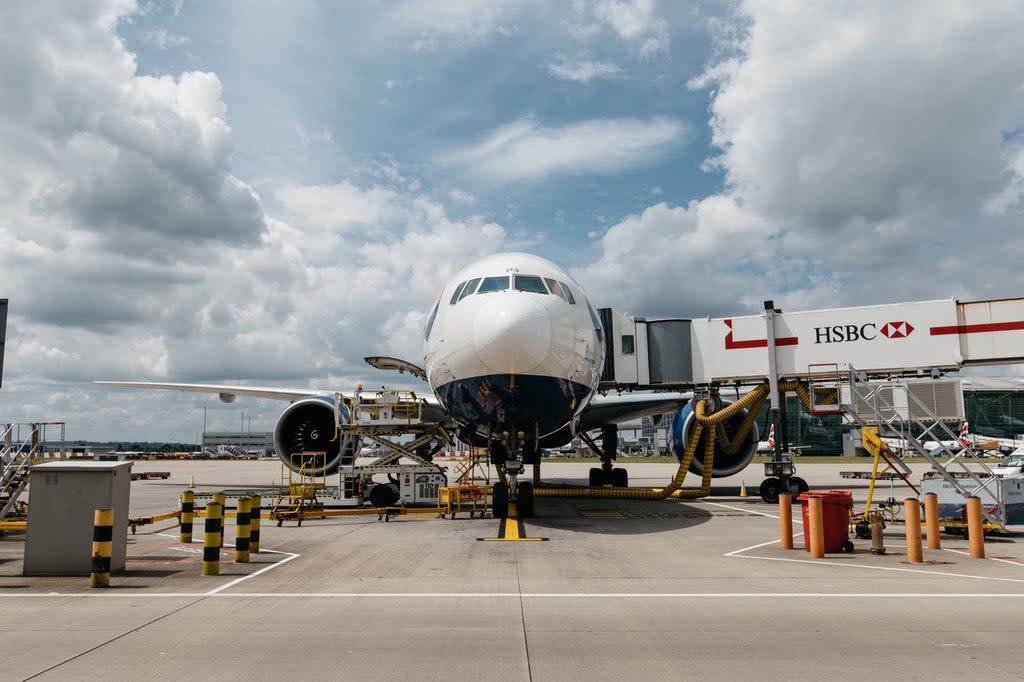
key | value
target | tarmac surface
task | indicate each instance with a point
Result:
(620, 589)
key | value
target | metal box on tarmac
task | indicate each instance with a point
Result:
(63, 498)
(951, 502)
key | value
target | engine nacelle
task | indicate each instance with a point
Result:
(725, 464)
(308, 425)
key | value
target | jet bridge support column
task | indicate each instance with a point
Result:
(778, 472)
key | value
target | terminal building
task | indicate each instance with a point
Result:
(260, 443)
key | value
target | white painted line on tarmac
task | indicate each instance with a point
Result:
(1015, 562)
(534, 595)
(602, 595)
(740, 554)
(288, 557)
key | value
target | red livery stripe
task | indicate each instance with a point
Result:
(978, 328)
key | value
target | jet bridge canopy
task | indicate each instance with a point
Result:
(882, 340)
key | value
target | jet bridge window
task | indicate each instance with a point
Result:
(628, 344)
(469, 288)
(493, 284)
(530, 283)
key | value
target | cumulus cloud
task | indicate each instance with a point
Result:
(855, 147)
(526, 150)
(131, 250)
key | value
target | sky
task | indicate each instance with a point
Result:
(267, 192)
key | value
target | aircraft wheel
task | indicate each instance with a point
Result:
(596, 477)
(620, 478)
(801, 484)
(524, 503)
(770, 489)
(499, 500)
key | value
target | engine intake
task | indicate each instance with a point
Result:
(725, 464)
(307, 426)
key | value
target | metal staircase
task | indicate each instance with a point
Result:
(21, 444)
(916, 412)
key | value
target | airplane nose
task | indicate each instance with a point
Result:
(512, 333)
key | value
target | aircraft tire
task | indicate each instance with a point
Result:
(596, 477)
(499, 500)
(524, 503)
(770, 489)
(620, 478)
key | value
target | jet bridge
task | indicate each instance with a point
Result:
(923, 338)
(804, 352)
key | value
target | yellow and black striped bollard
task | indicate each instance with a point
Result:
(221, 499)
(255, 511)
(188, 506)
(242, 530)
(102, 541)
(211, 538)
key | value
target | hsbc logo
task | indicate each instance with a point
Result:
(896, 330)
(842, 333)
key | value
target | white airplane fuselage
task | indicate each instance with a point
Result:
(522, 352)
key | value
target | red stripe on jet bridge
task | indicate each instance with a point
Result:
(731, 344)
(978, 328)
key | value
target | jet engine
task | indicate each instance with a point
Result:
(308, 426)
(725, 464)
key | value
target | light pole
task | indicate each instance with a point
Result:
(241, 432)
(202, 437)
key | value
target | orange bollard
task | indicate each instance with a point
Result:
(912, 513)
(785, 521)
(814, 536)
(975, 528)
(931, 520)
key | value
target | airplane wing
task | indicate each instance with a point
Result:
(614, 409)
(226, 393)
(432, 409)
(603, 409)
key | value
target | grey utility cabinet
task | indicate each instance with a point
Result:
(63, 497)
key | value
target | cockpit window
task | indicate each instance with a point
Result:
(469, 288)
(530, 283)
(555, 289)
(597, 323)
(568, 294)
(430, 322)
(458, 290)
(493, 284)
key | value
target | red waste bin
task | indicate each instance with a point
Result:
(836, 506)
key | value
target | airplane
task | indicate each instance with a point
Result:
(766, 446)
(513, 353)
(993, 444)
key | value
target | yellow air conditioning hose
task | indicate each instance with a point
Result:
(715, 424)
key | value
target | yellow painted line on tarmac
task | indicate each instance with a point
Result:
(512, 529)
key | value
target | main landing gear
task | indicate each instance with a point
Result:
(606, 474)
(781, 479)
